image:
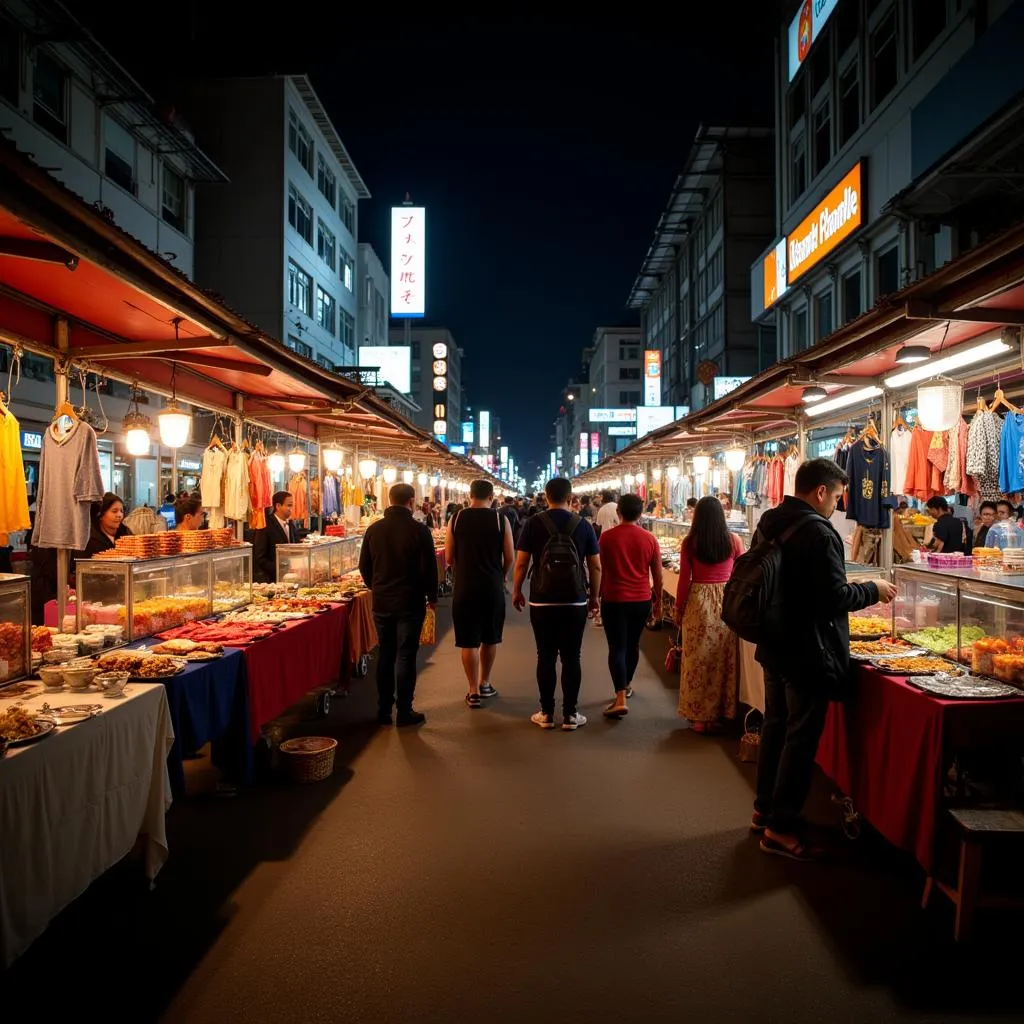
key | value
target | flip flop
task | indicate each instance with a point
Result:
(759, 822)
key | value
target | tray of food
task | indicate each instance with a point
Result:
(158, 666)
(939, 639)
(964, 687)
(865, 650)
(18, 726)
(230, 634)
(190, 650)
(869, 627)
(68, 714)
(916, 665)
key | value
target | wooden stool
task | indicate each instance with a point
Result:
(977, 828)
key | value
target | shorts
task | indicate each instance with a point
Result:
(478, 619)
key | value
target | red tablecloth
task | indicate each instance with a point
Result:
(305, 654)
(887, 749)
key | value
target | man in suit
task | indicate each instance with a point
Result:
(279, 530)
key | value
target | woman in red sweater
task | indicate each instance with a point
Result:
(630, 583)
(709, 681)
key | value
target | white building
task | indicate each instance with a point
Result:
(374, 293)
(614, 378)
(67, 103)
(280, 244)
(899, 146)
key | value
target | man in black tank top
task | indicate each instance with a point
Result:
(480, 549)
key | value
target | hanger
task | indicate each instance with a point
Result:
(899, 423)
(982, 406)
(1000, 400)
(870, 434)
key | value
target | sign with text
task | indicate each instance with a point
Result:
(651, 417)
(723, 385)
(622, 431)
(485, 429)
(31, 441)
(652, 377)
(805, 28)
(613, 415)
(829, 224)
(408, 261)
(467, 432)
(775, 284)
(584, 450)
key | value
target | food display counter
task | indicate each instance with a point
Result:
(147, 596)
(317, 561)
(15, 627)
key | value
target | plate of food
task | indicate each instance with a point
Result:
(18, 727)
(885, 647)
(158, 666)
(916, 665)
(964, 687)
(68, 714)
(869, 627)
(190, 650)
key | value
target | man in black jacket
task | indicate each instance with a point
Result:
(399, 565)
(810, 660)
(279, 530)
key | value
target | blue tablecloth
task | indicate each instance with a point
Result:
(209, 703)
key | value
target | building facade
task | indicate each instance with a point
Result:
(422, 341)
(281, 244)
(374, 287)
(899, 127)
(693, 289)
(66, 102)
(614, 372)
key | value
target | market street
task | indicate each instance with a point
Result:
(482, 868)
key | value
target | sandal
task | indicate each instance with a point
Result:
(759, 822)
(473, 700)
(615, 710)
(799, 851)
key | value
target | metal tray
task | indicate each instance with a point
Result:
(882, 666)
(68, 714)
(910, 652)
(964, 687)
(45, 727)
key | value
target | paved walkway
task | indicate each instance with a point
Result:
(481, 869)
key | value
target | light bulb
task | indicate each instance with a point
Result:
(136, 441)
(657, 472)
(332, 459)
(175, 426)
(296, 460)
(276, 463)
(435, 481)
(422, 479)
(390, 474)
(701, 463)
(407, 476)
(734, 458)
(367, 468)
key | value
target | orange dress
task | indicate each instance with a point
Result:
(924, 478)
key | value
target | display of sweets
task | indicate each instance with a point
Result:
(12, 651)
(983, 652)
(160, 613)
(1009, 668)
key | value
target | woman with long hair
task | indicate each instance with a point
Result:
(709, 679)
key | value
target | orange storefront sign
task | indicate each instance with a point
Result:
(774, 268)
(829, 224)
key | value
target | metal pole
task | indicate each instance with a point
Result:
(885, 550)
(61, 381)
(239, 428)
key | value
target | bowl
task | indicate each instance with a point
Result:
(79, 677)
(111, 683)
(59, 656)
(52, 676)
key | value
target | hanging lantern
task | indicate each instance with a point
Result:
(700, 464)
(275, 463)
(734, 459)
(175, 425)
(440, 384)
(390, 475)
(629, 479)
(136, 428)
(657, 472)
(422, 479)
(435, 481)
(332, 459)
(367, 468)
(673, 472)
(407, 476)
(939, 403)
(296, 460)
(641, 477)
(440, 426)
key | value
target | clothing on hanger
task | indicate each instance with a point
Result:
(899, 457)
(13, 488)
(69, 482)
(868, 498)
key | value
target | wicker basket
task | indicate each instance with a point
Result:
(308, 758)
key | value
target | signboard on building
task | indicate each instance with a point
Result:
(622, 431)
(467, 432)
(595, 447)
(457, 449)
(31, 441)
(829, 224)
(613, 415)
(408, 261)
(651, 417)
(775, 283)
(394, 362)
(805, 28)
(503, 455)
(723, 385)
(485, 429)
(584, 450)
(652, 377)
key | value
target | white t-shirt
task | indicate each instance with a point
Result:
(607, 516)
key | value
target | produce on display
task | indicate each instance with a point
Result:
(940, 639)
(885, 646)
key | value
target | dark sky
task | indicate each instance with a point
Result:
(543, 149)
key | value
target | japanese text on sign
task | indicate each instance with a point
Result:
(408, 261)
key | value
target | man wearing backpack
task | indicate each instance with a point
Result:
(806, 658)
(563, 549)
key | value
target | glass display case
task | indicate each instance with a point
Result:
(926, 608)
(147, 596)
(669, 533)
(880, 615)
(316, 561)
(992, 628)
(348, 554)
(15, 627)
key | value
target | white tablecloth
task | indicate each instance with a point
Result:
(73, 804)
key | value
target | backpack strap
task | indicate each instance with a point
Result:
(570, 527)
(549, 523)
(794, 527)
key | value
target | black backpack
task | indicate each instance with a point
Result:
(557, 576)
(752, 603)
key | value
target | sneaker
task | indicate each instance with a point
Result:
(410, 717)
(486, 690)
(576, 721)
(629, 693)
(543, 720)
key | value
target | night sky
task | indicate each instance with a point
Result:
(543, 149)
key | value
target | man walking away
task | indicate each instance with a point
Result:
(479, 548)
(398, 564)
(809, 660)
(608, 514)
(558, 543)
(630, 561)
(511, 514)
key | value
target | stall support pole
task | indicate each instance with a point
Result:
(60, 376)
(238, 425)
(885, 551)
(801, 437)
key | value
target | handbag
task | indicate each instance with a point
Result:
(674, 658)
(750, 741)
(428, 633)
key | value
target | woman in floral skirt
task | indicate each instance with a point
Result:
(709, 680)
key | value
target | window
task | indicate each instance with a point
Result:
(348, 330)
(798, 167)
(50, 96)
(887, 271)
(300, 289)
(847, 26)
(325, 180)
(823, 315)
(348, 271)
(300, 142)
(325, 247)
(300, 214)
(326, 363)
(119, 154)
(797, 100)
(326, 311)
(414, 350)
(822, 137)
(299, 346)
(798, 322)
(173, 211)
(348, 214)
(852, 302)
(629, 373)
(10, 61)
(628, 352)
(849, 103)
(628, 398)
(927, 20)
(884, 58)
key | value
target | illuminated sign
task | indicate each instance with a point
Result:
(467, 432)
(457, 449)
(440, 367)
(584, 450)
(830, 223)
(723, 385)
(31, 440)
(440, 426)
(622, 431)
(775, 274)
(595, 447)
(805, 28)
(394, 362)
(485, 429)
(613, 415)
(652, 377)
(408, 261)
(503, 455)
(651, 417)
(440, 385)
(440, 350)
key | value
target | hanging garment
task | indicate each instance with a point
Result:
(790, 466)
(211, 485)
(329, 494)
(69, 482)
(924, 480)
(257, 499)
(13, 490)
(315, 504)
(776, 481)
(868, 500)
(236, 486)
(983, 453)
(899, 458)
(297, 489)
(1011, 454)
